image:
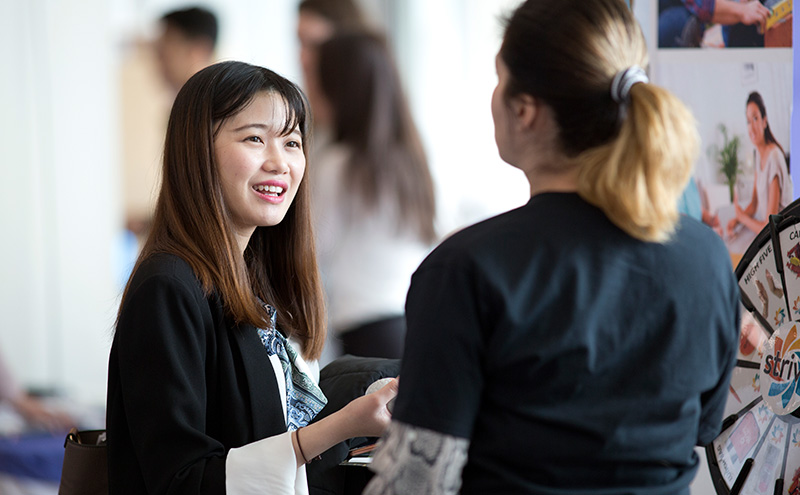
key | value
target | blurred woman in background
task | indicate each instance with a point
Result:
(320, 20)
(317, 22)
(373, 194)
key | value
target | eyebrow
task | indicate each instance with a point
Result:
(248, 126)
(263, 127)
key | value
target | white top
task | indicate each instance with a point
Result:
(269, 465)
(365, 259)
(775, 167)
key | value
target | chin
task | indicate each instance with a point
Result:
(272, 221)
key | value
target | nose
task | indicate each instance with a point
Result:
(275, 160)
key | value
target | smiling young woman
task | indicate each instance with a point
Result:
(212, 372)
(772, 187)
(261, 165)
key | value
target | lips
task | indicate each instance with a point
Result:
(272, 191)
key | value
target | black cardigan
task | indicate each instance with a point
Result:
(185, 385)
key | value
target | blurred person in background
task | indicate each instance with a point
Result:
(317, 22)
(186, 44)
(320, 20)
(373, 194)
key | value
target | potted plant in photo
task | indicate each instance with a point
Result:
(727, 157)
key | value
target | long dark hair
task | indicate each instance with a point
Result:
(756, 98)
(566, 54)
(359, 79)
(192, 220)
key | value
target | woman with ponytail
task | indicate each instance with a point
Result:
(582, 343)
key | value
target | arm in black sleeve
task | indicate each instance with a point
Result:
(161, 344)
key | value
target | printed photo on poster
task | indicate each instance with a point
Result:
(743, 111)
(724, 23)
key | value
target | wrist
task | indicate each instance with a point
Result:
(738, 11)
(346, 422)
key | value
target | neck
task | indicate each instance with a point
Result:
(242, 239)
(553, 182)
(549, 171)
(763, 152)
(547, 168)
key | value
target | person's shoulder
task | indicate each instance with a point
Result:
(476, 234)
(699, 242)
(167, 281)
(165, 268)
(776, 156)
(164, 264)
(543, 216)
(476, 242)
(694, 230)
(165, 299)
(776, 152)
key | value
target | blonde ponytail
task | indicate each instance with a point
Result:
(637, 178)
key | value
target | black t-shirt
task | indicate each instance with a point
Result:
(575, 358)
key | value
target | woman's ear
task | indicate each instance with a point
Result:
(525, 109)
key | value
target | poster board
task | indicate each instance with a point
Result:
(715, 70)
(716, 79)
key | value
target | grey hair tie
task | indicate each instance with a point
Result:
(624, 80)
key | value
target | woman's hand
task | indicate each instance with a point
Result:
(738, 213)
(366, 416)
(729, 12)
(754, 13)
(732, 224)
(369, 414)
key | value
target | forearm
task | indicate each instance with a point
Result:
(773, 204)
(751, 209)
(316, 438)
(727, 12)
(751, 223)
(746, 12)
(401, 466)
(366, 416)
